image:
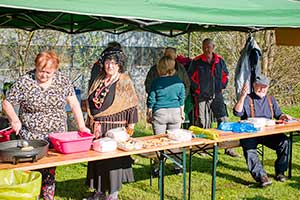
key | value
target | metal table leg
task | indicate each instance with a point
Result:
(184, 171)
(151, 169)
(214, 171)
(290, 155)
(161, 175)
(190, 174)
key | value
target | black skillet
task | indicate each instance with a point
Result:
(16, 151)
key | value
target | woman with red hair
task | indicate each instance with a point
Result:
(42, 95)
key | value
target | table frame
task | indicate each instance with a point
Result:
(54, 158)
(272, 130)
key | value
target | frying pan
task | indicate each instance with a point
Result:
(14, 151)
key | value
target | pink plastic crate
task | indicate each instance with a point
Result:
(71, 142)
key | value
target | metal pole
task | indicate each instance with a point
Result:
(190, 172)
(214, 171)
(290, 155)
(72, 30)
(151, 169)
(184, 172)
(189, 44)
(161, 175)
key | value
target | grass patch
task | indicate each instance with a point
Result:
(234, 182)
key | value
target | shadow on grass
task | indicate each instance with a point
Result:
(257, 198)
(296, 137)
(204, 165)
(143, 172)
(72, 189)
(295, 182)
(199, 164)
(234, 178)
(271, 162)
(154, 190)
(234, 167)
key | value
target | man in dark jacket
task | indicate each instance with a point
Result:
(259, 104)
(209, 78)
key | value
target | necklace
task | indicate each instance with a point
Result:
(100, 95)
(103, 90)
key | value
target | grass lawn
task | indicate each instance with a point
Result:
(234, 182)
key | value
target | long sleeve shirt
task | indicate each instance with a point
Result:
(261, 107)
(166, 92)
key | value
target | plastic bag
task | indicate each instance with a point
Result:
(208, 133)
(119, 134)
(105, 144)
(18, 184)
(237, 127)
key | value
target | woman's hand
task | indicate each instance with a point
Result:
(75, 107)
(13, 118)
(16, 126)
(149, 119)
(182, 117)
(149, 116)
(130, 129)
(85, 129)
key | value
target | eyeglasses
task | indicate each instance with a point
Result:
(110, 62)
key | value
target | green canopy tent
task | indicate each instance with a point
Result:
(167, 17)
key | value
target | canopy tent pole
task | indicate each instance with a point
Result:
(72, 31)
(189, 44)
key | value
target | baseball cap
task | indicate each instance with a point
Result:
(263, 80)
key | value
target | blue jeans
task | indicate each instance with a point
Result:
(278, 142)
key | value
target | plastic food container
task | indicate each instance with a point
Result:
(71, 142)
(105, 144)
(181, 135)
(258, 122)
(130, 145)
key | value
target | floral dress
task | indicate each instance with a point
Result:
(41, 111)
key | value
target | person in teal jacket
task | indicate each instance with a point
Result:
(165, 101)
